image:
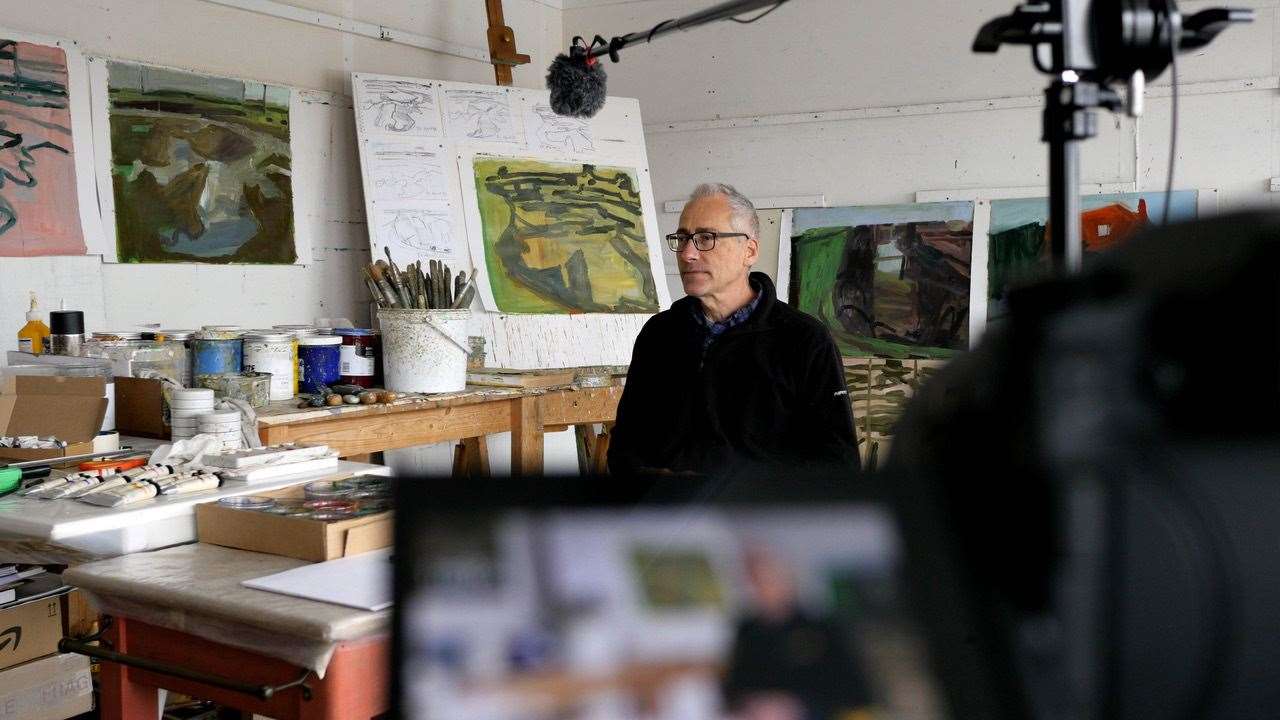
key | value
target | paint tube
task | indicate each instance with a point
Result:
(43, 486)
(198, 481)
(69, 487)
(108, 483)
(149, 472)
(134, 492)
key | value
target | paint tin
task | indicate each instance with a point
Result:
(184, 338)
(215, 352)
(359, 355)
(67, 336)
(274, 352)
(252, 387)
(425, 350)
(319, 362)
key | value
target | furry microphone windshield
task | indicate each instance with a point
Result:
(577, 83)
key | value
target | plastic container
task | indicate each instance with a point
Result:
(425, 351)
(217, 352)
(33, 337)
(180, 337)
(359, 356)
(274, 352)
(319, 362)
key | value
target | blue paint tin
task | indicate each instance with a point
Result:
(319, 361)
(217, 353)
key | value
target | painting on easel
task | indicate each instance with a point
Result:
(1020, 233)
(39, 206)
(888, 281)
(200, 166)
(564, 237)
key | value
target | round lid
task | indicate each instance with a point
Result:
(118, 335)
(250, 502)
(353, 332)
(193, 393)
(320, 340)
(33, 315)
(175, 334)
(218, 335)
(324, 331)
(271, 336)
(293, 328)
(220, 328)
(67, 322)
(220, 416)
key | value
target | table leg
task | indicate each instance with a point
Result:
(122, 699)
(526, 437)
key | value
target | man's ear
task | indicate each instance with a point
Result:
(753, 251)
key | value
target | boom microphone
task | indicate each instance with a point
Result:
(577, 80)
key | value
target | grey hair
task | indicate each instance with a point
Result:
(743, 210)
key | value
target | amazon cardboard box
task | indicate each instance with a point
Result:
(68, 408)
(294, 537)
(29, 630)
(51, 688)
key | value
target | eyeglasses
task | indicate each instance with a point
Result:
(703, 241)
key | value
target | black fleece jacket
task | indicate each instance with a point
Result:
(768, 396)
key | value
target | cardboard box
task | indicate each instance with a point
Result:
(140, 407)
(292, 537)
(52, 688)
(29, 630)
(68, 408)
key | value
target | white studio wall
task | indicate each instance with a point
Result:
(873, 102)
(316, 62)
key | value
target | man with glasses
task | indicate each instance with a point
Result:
(730, 380)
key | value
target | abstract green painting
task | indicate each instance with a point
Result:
(888, 281)
(200, 168)
(564, 237)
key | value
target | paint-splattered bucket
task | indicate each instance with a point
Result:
(252, 387)
(425, 350)
(215, 352)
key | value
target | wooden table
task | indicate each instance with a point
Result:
(183, 612)
(357, 430)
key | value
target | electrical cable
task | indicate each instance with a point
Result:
(761, 15)
(1171, 9)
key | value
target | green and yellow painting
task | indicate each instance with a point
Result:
(888, 281)
(564, 237)
(201, 168)
(675, 579)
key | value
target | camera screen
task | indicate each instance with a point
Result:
(749, 613)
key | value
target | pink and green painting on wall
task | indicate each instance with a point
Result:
(39, 206)
(201, 168)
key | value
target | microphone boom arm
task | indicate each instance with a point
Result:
(722, 11)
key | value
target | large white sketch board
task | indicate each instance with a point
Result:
(418, 139)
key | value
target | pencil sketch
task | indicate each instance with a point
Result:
(399, 107)
(407, 175)
(421, 230)
(557, 133)
(483, 115)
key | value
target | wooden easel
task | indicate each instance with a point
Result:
(502, 44)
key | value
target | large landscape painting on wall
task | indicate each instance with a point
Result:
(200, 167)
(888, 281)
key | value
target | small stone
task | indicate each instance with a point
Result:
(334, 399)
(387, 397)
(368, 398)
(351, 399)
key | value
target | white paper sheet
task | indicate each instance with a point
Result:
(480, 114)
(549, 132)
(396, 107)
(359, 581)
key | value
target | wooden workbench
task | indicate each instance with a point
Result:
(357, 430)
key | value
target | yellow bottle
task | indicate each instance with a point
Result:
(34, 336)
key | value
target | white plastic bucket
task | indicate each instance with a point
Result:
(424, 351)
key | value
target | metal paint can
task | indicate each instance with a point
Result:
(359, 355)
(252, 387)
(425, 351)
(217, 352)
(319, 362)
(274, 352)
(178, 336)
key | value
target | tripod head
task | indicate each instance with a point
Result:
(1106, 41)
